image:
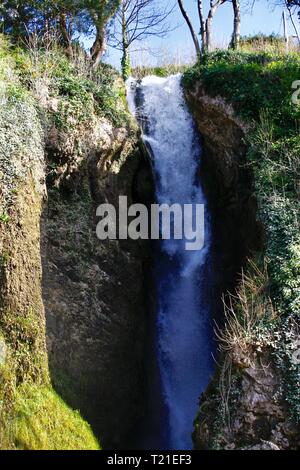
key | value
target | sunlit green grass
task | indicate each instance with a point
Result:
(42, 421)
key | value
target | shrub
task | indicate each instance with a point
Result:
(252, 82)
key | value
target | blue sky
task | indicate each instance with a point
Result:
(264, 18)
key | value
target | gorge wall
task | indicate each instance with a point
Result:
(228, 182)
(72, 307)
(93, 291)
(243, 408)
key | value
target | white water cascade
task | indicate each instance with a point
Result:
(183, 329)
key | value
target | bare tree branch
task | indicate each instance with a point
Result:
(136, 20)
(235, 40)
(202, 23)
(289, 5)
(189, 23)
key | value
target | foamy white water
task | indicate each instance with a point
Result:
(183, 324)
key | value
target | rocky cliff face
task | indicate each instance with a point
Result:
(22, 188)
(72, 306)
(93, 290)
(254, 417)
(243, 408)
(28, 404)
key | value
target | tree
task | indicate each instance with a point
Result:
(235, 40)
(136, 20)
(69, 18)
(202, 24)
(64, 18)
(189, 23)
(289, 5)
(205, 24)
(18, 18)
(214, 5)
(100, 11)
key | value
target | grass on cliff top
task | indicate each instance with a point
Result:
(42, 421)
(259, 88)
(252, 82)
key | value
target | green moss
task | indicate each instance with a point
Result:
(42, 421)
(22, 335)
(4, 218)
(32, 415)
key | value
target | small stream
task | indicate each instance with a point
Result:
(182, 339)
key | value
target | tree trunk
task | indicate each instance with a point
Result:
(100, 19)
(208, 32)
(65, 36)
(189, 23)
(235, 40)
(125, 61)
(293, 21)
(210, 16)
(208, 28)
(202, 26)
(99, 47)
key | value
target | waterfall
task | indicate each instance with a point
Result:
(183, 338)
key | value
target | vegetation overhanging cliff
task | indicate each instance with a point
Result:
(242, 105)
